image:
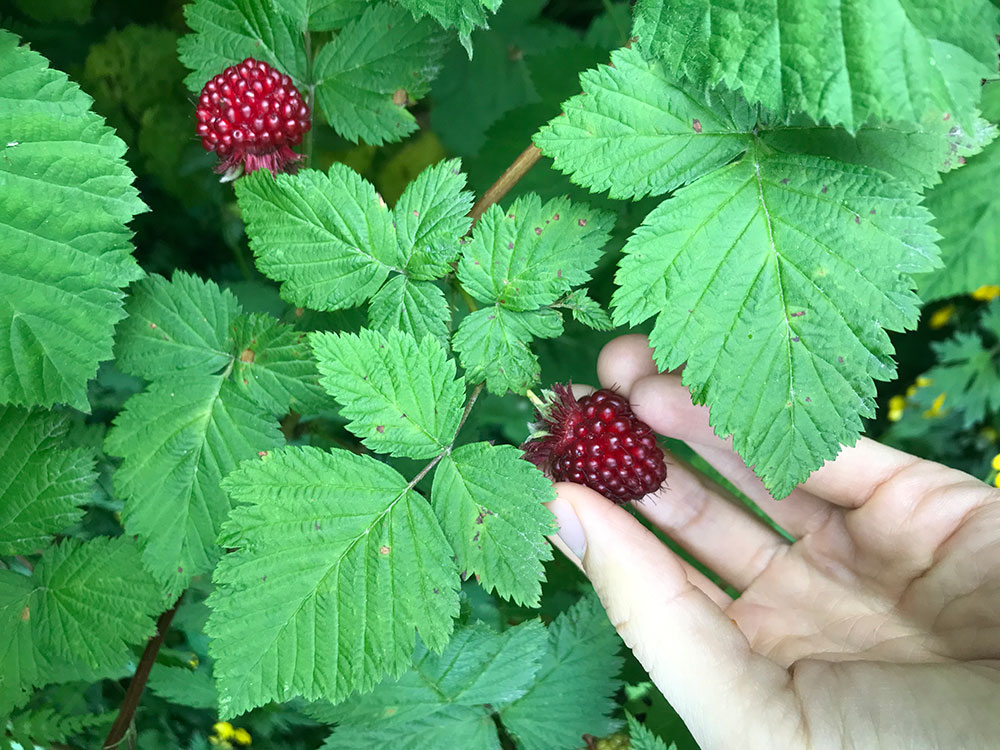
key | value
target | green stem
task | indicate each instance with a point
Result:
(307, 146)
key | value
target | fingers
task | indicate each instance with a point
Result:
(624, 360)
(694, 653)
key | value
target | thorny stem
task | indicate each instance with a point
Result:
(138, 682)
(518, 168)
(461, 423)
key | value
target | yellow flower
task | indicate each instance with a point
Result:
(941, 316)
(987, 292)
(996, 481)
(912, 391)
(896, 406)
(989, 433)
(193, 661)
(935, 409)
(923, 382)
(996, 462)
(224, 730)
(242, 737)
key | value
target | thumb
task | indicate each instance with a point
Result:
(728, 695)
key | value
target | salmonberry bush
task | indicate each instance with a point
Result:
(260, 468)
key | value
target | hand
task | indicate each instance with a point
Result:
(879, 627)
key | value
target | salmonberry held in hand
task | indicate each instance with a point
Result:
(597, 441)
(250, 115)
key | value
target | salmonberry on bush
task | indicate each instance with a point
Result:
(599, 442)
(250, 115)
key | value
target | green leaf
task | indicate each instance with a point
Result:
(43, 481)
(573, 692)
(327, 15)
(275, 367)
(444, 696)
(430, 217)
(917, 153)
(48, 727)
(587, 311)
(178, 440)
(372, 68)
(773, 279)
(327, 238)
(463, 15)
(529, 255)
(71, 609)
(634, 131)
(66, 196)
(829, 60)
(467, 727)
(228, 31)
(401, 397)
(418, 308)
(493, 344)
(489, 502)
(183, 325)
(642, 739)
(966, 208)
(337, 563)
(194, 688)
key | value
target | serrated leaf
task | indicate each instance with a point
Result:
(430, 217)
(418, 308)
(773, 278)
(178, 440)
(43, 480)
(182, 325)
(327, 15)
(588, 311)
(71, 609)
(228, 31)
(467, 727)
(966, 208)
(366, 75)
(338, 562)
(489, 502)
(494, 345)
(573, 691)
(635, 131)
(462, 15)
(525, 257)
(401, 397)
(275, 367)
(48, 727)
(327, 238)
(640, 738)
(66, 196)
(888, 59)
(194, 688)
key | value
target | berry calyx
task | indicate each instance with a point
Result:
(251, 115)
(599, 442)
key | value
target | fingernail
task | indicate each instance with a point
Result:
(570, 530)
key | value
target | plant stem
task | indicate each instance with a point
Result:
(461, 423)
(518, 168)
(307, 146)
(538, 403)
(138, 682)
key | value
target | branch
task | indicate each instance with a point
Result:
(518, 168)
(138, 683)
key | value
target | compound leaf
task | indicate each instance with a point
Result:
(178, 440)
(43, 482)
(493, 344)
(463, 15)
(369, 72)
(573, 691)
(401, 396)
(467, 727)
(66, 196)
(845, 63)
(773, 278)
(228, 31)
(489, 501)
(530, 254)
(587, 311)
(418, 308)
(634, 131)
(327, 237)
(337, 563)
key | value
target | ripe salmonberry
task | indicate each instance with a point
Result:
(250, 115)
(599, 442)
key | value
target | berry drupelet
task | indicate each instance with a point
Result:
(250, 115)
(597, 441)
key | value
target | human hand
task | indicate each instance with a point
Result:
(878, 627)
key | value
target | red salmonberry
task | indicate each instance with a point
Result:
(250, 115)
(599, 442)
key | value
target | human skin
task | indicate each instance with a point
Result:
(879, 627)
